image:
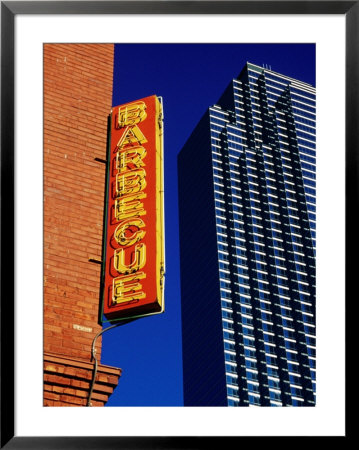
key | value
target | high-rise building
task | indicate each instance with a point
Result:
(247, 246)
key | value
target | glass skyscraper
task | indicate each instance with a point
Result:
(247, 246)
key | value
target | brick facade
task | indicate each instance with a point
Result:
(67, 382)
(77, 101)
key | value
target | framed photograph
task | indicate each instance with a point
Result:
(108, 103)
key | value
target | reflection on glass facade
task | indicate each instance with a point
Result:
(247, 246)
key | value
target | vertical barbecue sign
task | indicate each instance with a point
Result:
(134, 241)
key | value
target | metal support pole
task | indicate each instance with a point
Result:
(93, 355)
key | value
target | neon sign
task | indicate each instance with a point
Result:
(134, 243)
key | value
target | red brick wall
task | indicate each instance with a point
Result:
(67, 382)
(77, 101)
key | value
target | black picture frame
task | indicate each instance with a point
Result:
(9, 9)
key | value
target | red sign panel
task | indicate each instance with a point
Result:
(134, 265)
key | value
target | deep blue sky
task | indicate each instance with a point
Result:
(190, 78)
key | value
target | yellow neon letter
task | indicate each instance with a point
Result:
(125, 289)
(131, 135)
(138, 262)
(130, 182)
(131, 114)
(129, 206)
(128, 232)
(130, 157)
